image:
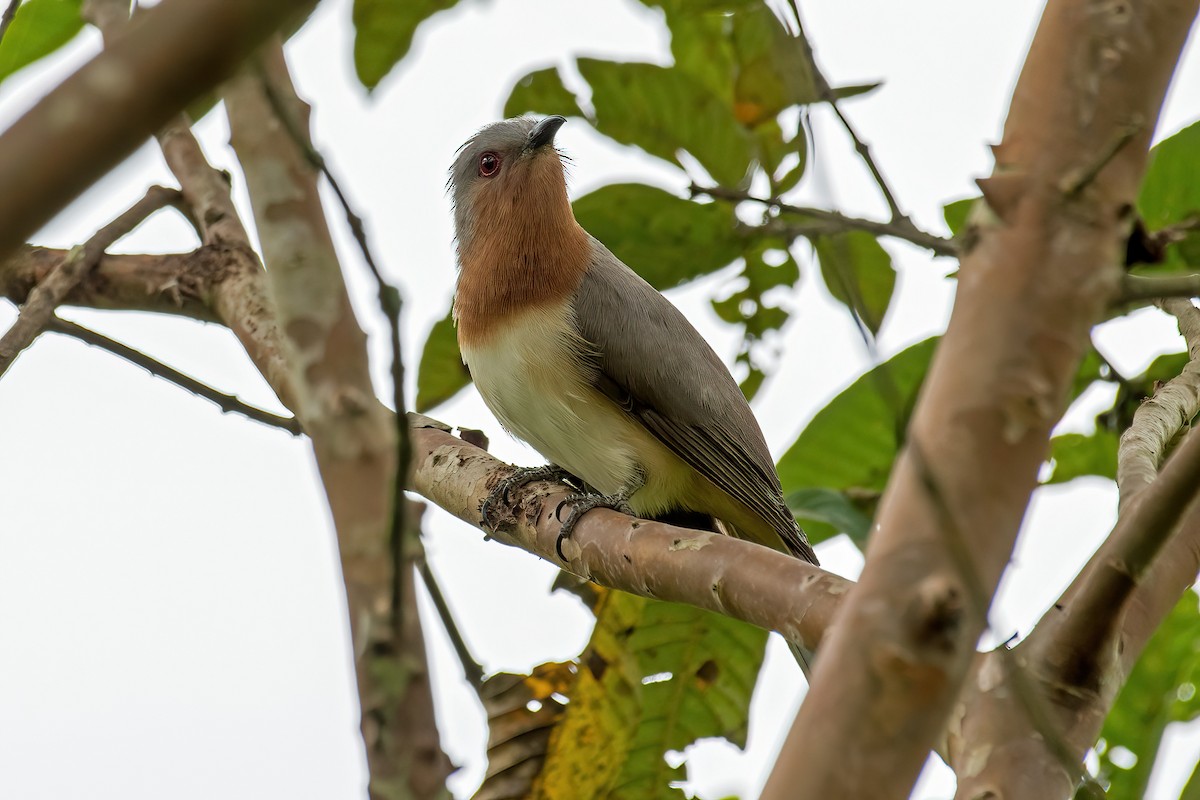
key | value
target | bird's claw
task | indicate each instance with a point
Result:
(501, 495)
(580, 505)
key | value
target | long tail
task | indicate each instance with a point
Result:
(804, 657)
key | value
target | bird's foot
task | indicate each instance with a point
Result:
(580, 505)
(521, 476)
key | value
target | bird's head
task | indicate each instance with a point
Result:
(506, 177)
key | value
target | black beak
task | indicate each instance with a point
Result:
(543, 133)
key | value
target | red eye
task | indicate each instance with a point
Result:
(489, 164)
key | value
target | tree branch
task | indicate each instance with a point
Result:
(60, 281)
(354, 435)
(1159, 420)
(821, 221)
(472, 671)
(895, 664)
(651, 559)
(286, 107)
(1135, 288)
(827, 94)
(7, 17)
(228, 403)
(1080, 653)
(98, 116)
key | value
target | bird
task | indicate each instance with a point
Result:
(582, 359)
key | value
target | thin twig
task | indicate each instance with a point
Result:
(228, 403)
(1145, 287)
(826, 222)
(7, 17)
(826, 93)
(1113, 374)
(1075, 182)
(471, 668)
(391, 303)
(51, 291)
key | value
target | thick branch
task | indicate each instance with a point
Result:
(61, 280)
(354, 436)
(1081, 651)
(730, 576)
(994, 747)
(1044, 271)
(170, 55)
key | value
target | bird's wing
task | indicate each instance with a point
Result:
(651, 361)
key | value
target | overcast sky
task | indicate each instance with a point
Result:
(171, 623)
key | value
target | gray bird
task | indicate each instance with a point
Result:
(581, 358)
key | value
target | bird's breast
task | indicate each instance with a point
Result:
(534, 376)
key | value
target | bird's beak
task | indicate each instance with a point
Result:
(543, 133)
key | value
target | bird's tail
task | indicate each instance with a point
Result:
(804, 657)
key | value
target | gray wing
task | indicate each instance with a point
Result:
(662, 371)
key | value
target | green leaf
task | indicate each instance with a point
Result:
(383, 33)
(859, 273)
(1162, 369)
(774, 71)
(957, 213)
(1076, 455)
(774, 148)
(1164, 687)
(665, 239)
(851, 443)
(701, 47)
(541, 92)
(753, 381)
(38, 29)
(823, 513)
(665, 111)
(655, 677)
(441, 374)
(1170, 194)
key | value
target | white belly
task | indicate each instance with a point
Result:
(528, 379)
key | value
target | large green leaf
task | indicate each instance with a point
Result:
(39, 28)
(828, 512)
(666, 111)
(541, 91)
(702, 47)
(1161, 689)
(859, 273)
(1170, 193)
(441, 374)
(383, 33)
(851, 443)
(665, 239)
(656, 677)
(1076, 455)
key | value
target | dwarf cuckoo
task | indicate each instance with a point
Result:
(581, 358)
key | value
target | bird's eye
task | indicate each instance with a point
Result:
(489, 164)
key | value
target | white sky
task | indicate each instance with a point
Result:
(170, 611)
